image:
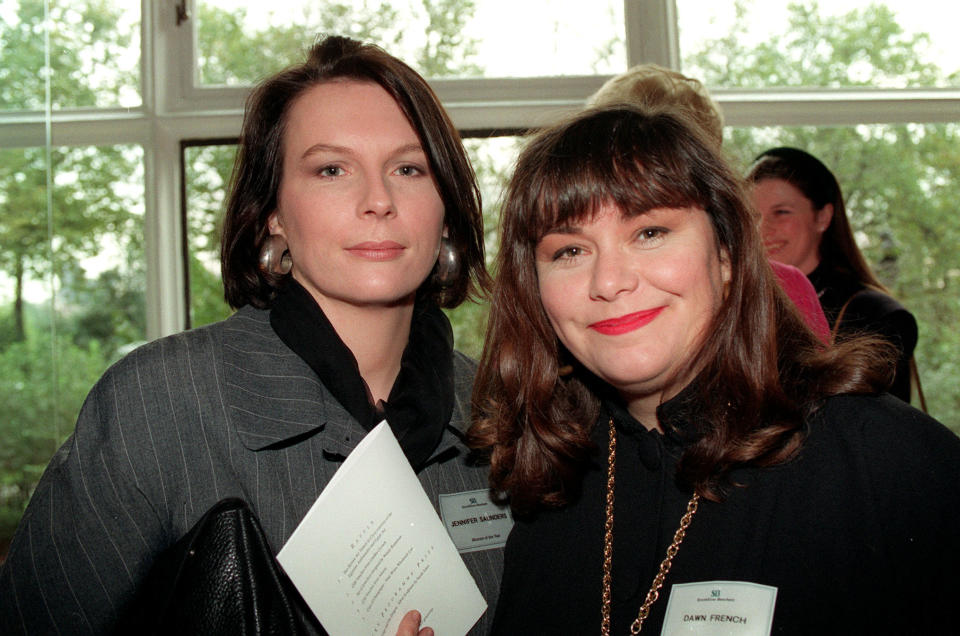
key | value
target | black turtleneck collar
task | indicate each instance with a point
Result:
(676, 417)
(421, 401)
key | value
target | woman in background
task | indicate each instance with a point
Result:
(352, 218)
(658, 415)
(804, 224)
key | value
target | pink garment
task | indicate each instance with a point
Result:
(804, 296)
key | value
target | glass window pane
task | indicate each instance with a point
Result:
(94, 54)
(208, 174)
(901, 184)
(240, 40)
(71, 296)
(845, 43)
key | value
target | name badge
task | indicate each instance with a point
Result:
(474, 522)
(715, 608)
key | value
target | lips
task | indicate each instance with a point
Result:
(774, 246)
(626, 323)
(377, 250)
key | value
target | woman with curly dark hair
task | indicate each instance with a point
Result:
(664, 424)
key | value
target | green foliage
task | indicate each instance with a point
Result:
(447, 52)
(57, 207)
(208, 175)
(865, 47)
(108, 312)
(207, 303)
(492, 161)
(87, 56)
(428, 34)
(45, 380)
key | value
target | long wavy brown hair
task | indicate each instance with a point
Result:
(759, 374)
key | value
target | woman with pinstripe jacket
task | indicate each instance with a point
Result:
(353, 217)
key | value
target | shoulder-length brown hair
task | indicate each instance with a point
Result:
(816, 182)
(259, 167)
(759, 373)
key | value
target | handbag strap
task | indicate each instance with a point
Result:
(915, 379)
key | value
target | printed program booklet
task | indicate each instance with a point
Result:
(372, 547)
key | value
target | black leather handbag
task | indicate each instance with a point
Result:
(220, 578)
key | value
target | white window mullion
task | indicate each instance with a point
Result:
(163, 233)
(652, 33)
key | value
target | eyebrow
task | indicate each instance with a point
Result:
(321, 147)
(576, 229)
(565, 229)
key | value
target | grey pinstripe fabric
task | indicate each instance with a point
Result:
(225, 410)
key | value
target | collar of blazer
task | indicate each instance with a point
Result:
(273, 398)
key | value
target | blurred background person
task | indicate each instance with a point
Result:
(804, 224)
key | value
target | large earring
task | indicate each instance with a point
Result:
(274, 257)
(448, 264)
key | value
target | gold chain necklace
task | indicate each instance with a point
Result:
(654, 593)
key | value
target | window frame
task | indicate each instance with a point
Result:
(175, 112)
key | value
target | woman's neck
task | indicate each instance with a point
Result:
(377, 337)
(644, 410)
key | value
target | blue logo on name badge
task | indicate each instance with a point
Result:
(715, 593)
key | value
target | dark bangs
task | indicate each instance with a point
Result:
(567, 174)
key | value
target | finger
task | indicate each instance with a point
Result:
(410, 624)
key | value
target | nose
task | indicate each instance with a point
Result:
(377, 198)
(766, 226)
(613, 274)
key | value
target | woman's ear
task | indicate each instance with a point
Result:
(823, 217)
(726, 270)
(274, 224)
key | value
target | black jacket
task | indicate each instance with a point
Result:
(860, 533)
(868, 311)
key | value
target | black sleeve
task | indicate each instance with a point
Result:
(877, 313)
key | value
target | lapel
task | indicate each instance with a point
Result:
(455, 433)
(272, 396)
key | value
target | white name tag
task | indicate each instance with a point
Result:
(474, 522)
(720, 608)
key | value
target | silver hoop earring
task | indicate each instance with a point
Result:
(448, 264)
(274, 257)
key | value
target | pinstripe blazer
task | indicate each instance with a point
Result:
(220, 411)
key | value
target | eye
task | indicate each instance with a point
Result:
(652, 235)
(781, 212)
(567, 253)
(330, 171)
(410, 171)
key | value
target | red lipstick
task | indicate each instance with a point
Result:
(627, 323)
(376, 250)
